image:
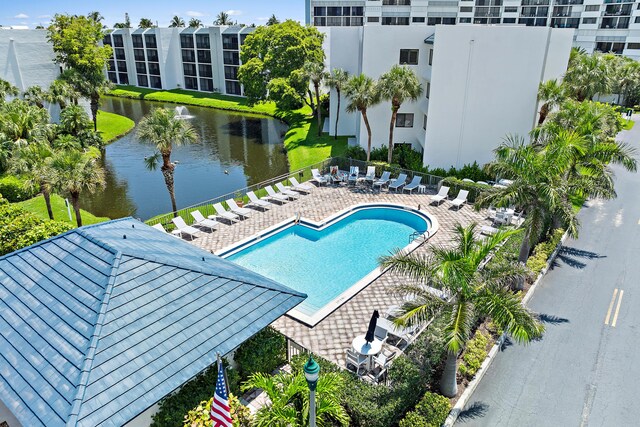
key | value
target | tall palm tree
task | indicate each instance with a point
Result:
(176, 21)
(163, 129)
(289, 396)
(587, 76)
(363, 93)
(471, 291)
(91, 86)
(398, 85)
(551, 93)
(62, 93)
(74, 119)
(145, 23)
(223, 19)
(195, 23)
(35, 95)
(315, 72)
(337, 80)
(7, 89)
(21, 121)
(75, 172)
(32, 161)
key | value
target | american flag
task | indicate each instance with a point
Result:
(220, 410)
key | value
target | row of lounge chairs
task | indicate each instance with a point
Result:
(443, 195)
(385, 179)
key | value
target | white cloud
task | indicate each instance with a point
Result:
(234, 12)
(21, 16)
(194, 14)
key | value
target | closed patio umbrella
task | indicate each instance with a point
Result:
(370, 336)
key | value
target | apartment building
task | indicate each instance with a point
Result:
(600, 25)
(203, 59)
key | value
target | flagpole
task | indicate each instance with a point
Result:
(224, 372)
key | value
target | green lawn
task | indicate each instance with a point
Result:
(37, 207)
(628, 125)
(304, 146)
(112, 126)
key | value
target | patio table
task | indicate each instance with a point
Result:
(360, 345)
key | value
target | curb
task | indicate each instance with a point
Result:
(462, 402)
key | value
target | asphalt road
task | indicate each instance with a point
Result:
(585, 371)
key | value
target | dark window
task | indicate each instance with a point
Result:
(637, 21)
(231, 73)
(142, 80)
(150, 40)
(205, 70)
(106, 40)
(357, 11)
(334, 11)
(427, 90)
(189, 69)
(439, 20)
(124, 78)
(612, 47)
(465, 20)
(138, 54)
(409, 56)
(319, 21)
(466, 9)
(589, 20)
(119, 53)
(117, 40)
(357, 21)
(136, 39)
(395, 20)
(152, 55)
(230, 41)
(424, 122)
(449, 21)
(188, 55)
(141, 68)
(418, 19)
(592, 8)
(231, 58)
(191, 83)
(113, 77)
(319, 11)
(404, 120)
(156, 82)
(233, 88)
(430, 56)
(509, 20)
(186, 40)
(617, 23)
(243, 37)
(111, 65)
(154, 68)
(373, 19)
(122, 65)
(206, 85)
(633, 45)
(511, 9)
(202, 41)
(204, 56)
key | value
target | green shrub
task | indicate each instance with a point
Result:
(543, 250)
(474, 355)
(264, 352)
(413, 419)
(12, 188)
(200, 415)
(432, 411)
(356, 152)
(19, 228)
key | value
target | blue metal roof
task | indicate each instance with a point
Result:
(100, 323)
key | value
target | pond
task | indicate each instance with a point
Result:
(234, 151)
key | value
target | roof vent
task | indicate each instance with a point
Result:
(133, 226)
(124, 236)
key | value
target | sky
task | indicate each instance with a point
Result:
(39, 12)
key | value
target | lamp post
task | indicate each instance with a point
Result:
(311, 373)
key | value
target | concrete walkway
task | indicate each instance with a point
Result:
(585, 369)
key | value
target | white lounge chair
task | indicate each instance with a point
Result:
(275, 196)
(259, 203)
(317, 177)
(398, 182)
(442, 195)
(460, 199)
(468, 180)
(415, 182)
(183, 228)
(505, 182)
(487, 230)
(159, 227)
(204, 222)
(233, 207)
(482, 183)
(295, 185)
(384, 180)
(283, 190)
(223, 213)
(354, 171)
(371, 174)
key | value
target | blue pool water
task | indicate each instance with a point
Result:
(324, 263)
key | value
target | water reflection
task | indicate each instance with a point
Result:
(234, 151)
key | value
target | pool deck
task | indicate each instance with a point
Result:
(332, 336)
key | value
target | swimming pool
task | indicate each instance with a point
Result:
(333, 260)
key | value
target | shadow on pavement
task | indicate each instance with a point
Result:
(506, 343)
(571, 257)
(475, 410)
(551, 319)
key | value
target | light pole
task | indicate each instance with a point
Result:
(311, 373)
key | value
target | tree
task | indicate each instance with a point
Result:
(95, 16)
(32, 161)
(272, 20)
(7, 89)
(74, 119)
(551, 93)
(398, 85)
(315, 72)
(125, 24)
(471, 291)
(75, 172)
(145, 23)
(195, 23)
(289, 400)
(91, 85)
(20, 121)
(34, 95)
(337, 80)
(176, 21)
(363, 93)
(587, 75)
(279, 51)
(163, 129)
(62, 93)
(223, 19)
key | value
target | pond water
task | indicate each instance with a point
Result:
(234, 150)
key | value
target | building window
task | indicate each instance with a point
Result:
(633, 45)
(465, 20)
(186, 40)
(204, 56)
(231, 73)
(592, 8)
(122, 65)
(427, 90)
(154, 68)
(113, 77)
(111, 65)
(136, 39)
(231, 58)
(119, 53)
(206, 85)
(610, 47)
(106, 40)
(189, 69)
(124, 78)
(155, 81)
(142, 80)
(141, 68)
(117, 40)
(150, 40)
(205, 70)
(138, 54)
(440, 20)
(188, 56)
(509, 20)
(373, 19)
(395, 20)
(152, 55)
(408, 56)
(404, 120)
(202, 41)
(418, 19)
(511, 9)
(230, 41)
(319, 21)
(424, 122)
(467, 9)
(430, 56)
(589, 20)
(637, 21)
(191, 83)
(233, 88)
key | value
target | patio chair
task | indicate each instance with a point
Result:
(357, 362)
(335, 175)
(159, 227)
(201, 221)
(379, 371)
(371, 174)
(503, 217)
(291, 194)
(259, 203)
(384, 180)
(317, 177)
(354, 171)
(460, 199)
(505, 182)
(380, 333)
(223, 213)
(183, 228)
(415, 182)
(295, 185)
(442, 195)
(280, 198)
(233, 207)
(398, 182)
(487, 230)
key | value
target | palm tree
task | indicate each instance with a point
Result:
(21, 121)
(176, 21)
(195, 23)
(289, 396)
(363, 93)
(62, 93)
(91, 86)
(74, 119)
(337, 80)
(75, 172)
(587, 75)
(273, 20)
(32, 161)
(163, 129)
(315, 72)
(34, 95)
(472, 291)
(398, 85)
(145, 23)
(223, 19)
(7, 89)
(551, 93)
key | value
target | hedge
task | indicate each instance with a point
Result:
(474, 355)
(264, 352)
(12, 188)
(432, 411)
(541, 253)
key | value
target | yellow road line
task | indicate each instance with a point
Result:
(613, 300)
(615, 316)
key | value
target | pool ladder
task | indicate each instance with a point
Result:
(416, 235)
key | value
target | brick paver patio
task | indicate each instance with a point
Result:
(333, 335)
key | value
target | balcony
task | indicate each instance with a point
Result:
(535, 2)
(568, 2)
(396, 2)
(618, 10)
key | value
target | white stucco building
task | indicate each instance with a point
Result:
(480, 83)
